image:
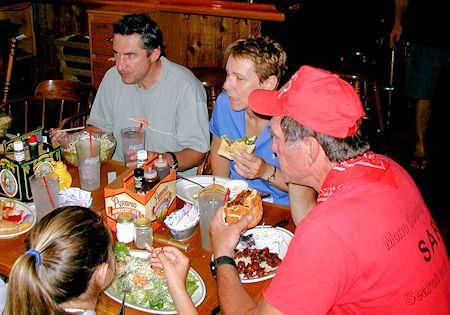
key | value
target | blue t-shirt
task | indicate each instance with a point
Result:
(226, 121)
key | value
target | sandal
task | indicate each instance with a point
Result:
(419, 162)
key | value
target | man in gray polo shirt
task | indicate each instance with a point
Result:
(145, 85)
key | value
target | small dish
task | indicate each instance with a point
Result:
(184, 234)
(236, 186)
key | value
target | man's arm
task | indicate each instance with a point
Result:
(233, 297)
(302, 200)
(397, 29)
(187, 158)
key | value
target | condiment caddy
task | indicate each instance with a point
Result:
(126, 194)
(17, 165)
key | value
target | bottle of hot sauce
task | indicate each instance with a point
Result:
(33, 147)
(47, 140)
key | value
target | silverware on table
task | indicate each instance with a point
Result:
(126, 287)
(190, 180)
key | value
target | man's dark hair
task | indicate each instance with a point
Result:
(143, 25)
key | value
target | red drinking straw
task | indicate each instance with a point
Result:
(140, 128)
(90, 142)
(227, 195)
(52, 202)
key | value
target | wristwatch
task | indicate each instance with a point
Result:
(175, 161)
(272, 177)
(221, 261)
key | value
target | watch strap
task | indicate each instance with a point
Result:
(222, 260)
(175, 161)
(271, 178)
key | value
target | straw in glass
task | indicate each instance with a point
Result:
(91, 153)
(47, 189)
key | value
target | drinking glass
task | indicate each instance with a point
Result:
(133, 140)
(45, 191)
(208, 203)
(88, 156)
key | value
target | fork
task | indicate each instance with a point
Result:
(190, 180)
(247, 240)
(126, 288)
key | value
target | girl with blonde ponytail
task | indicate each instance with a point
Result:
(68, 263)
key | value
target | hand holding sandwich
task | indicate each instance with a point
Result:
(251, 166)
(225, 237)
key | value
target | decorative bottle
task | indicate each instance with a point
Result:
(65, 179)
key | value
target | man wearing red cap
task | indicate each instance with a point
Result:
(370, 246)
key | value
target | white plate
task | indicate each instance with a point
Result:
(28, 216)
(287, 236)
(198, 296)
(186, 189)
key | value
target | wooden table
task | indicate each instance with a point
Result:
(10, 249)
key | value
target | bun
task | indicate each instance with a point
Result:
(228, 146)
(246, 202)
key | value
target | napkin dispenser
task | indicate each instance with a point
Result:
(156, 204)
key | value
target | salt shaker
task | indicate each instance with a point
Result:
(125, 228)
(143, 233)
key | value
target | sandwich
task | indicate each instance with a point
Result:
(246, 202)
(228, 146)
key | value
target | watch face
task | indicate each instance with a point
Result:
(212, 267)
(220, 261)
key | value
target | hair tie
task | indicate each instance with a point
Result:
(36, 255)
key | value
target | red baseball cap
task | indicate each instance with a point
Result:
(315, 98)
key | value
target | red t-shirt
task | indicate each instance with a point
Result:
(369, 247)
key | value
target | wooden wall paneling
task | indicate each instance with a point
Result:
(198, 40)
(190, 39)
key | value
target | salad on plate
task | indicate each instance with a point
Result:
(149, 291)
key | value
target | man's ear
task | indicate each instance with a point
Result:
(156, 53)
(270, 83)
(313, 148)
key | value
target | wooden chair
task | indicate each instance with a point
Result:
(76, 120)
(53, 102)
(359, 69)
(212, 79)
(9, 67)
(205, 166)
(67, 90)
